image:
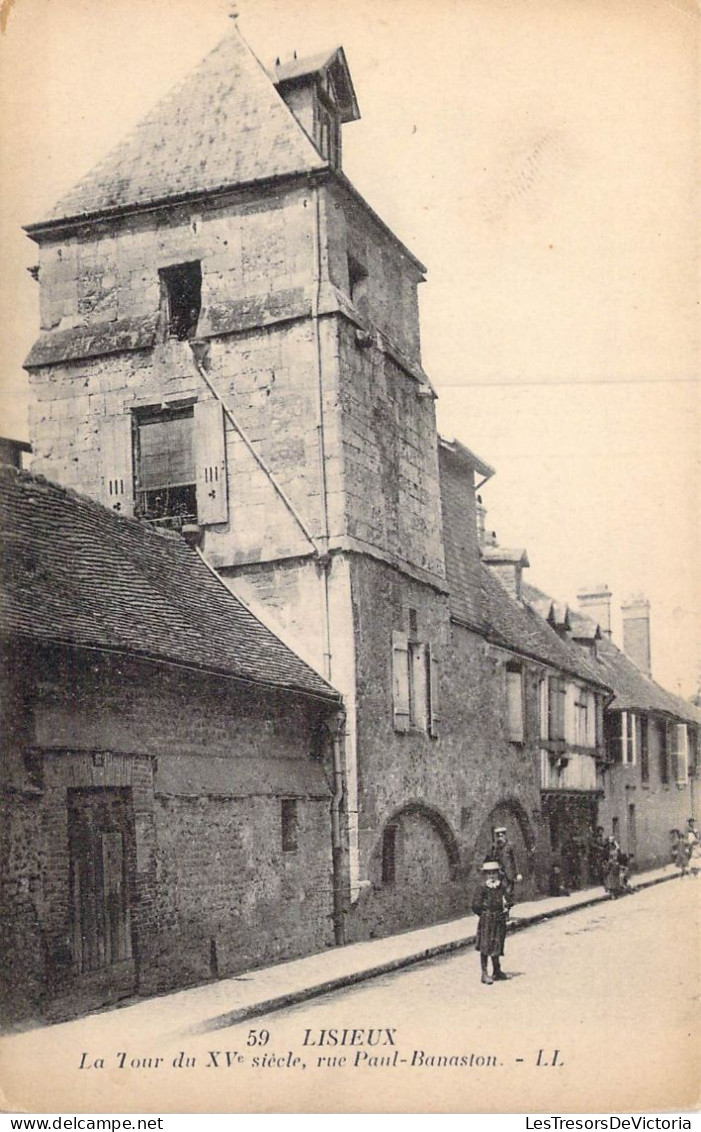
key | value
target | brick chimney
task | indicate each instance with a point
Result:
(636, 632)
(595, 602)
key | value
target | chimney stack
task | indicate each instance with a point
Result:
(507, 566)
(595, 602)
(636, 632)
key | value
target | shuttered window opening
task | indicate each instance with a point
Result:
(415, 675)
(165, 465)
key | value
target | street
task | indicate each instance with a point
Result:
(597, 1015)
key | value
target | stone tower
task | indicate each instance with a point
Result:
(230, 337)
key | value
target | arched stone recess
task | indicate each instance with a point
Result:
(414, 873)
(511, 813)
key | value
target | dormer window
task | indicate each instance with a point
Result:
(181, 299)
(328, 134)
(319, 92)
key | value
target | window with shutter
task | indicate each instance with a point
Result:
(682, 754)
(418, 686)
(672, 751)
(663, 753)
(117, 464)
(400, 682)
(644, 749)
(514, 703)
(210, 455)
(433, 674)
(557, 692)
(164, 450)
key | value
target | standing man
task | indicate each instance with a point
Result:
(503, 854)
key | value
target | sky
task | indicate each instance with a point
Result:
(538, 156)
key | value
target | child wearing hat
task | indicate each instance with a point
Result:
(492, 906)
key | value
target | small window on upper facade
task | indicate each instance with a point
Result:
(182, 297)
(164, 450)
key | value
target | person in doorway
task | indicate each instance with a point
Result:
(503, 853)
(597, 856)
(491, 905)
(571, 860)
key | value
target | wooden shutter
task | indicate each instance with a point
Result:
(557, 691)
(682, 753)
(514, 704)
(210, 454)
(117, 464)
(400, 682)
(672, 752)
(433, 677)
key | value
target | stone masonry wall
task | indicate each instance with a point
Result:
(390, 298)
(390, 458)
(450, 784)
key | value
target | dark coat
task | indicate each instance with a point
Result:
(492, 906)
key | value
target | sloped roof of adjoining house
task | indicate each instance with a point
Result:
(517, 627)
(223, 125)
(633, 691)
(75, 573)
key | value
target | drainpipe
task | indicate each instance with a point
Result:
(339, 926)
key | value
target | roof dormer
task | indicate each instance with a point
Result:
(319, 92)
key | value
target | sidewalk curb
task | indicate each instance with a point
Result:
(292, 998)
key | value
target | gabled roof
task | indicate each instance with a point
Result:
(75, 573)
(633, 691)
(329, 65)
(223, 125)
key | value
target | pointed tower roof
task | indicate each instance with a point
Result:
(223, 125)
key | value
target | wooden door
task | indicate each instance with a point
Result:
(101, 838)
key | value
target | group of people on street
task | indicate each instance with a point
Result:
(609, 866)
(686, 848)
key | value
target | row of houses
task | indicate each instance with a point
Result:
(268, 688)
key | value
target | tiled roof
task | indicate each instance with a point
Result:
(223, 125)
(635, 691)
(517, 626)
(632, 689)
(74, 572)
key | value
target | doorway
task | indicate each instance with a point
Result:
(102, 858)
